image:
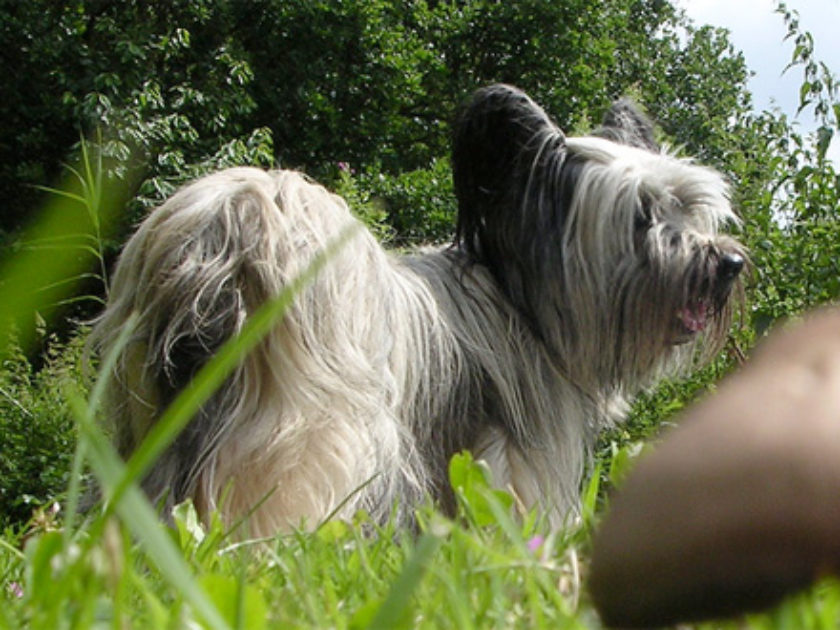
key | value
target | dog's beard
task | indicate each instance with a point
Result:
(674, 313)
(708, 302)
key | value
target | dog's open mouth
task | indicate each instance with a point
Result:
(694, 316)
(692, 319)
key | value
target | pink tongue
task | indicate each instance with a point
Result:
(694, 317)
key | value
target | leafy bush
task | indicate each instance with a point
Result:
(309, 84)
(37, 431)
(166, 81)
(419, 205)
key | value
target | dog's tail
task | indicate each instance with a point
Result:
(194, 271)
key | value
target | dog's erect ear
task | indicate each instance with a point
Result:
(626, 124)
(502, 140)
(508, 159)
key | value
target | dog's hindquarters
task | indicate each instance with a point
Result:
(315, 411)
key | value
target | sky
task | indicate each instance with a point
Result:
(758, 32)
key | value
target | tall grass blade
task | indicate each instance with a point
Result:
(133, 507)
(94, 402)
(393, 612)
(33, 282)
(142, 519)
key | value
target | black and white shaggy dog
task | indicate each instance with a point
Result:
(583, 269)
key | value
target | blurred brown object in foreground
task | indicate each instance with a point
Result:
(740, 504)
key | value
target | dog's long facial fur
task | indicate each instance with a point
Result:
(582, 270)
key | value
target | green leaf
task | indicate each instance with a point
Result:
(589, 498)
(804, 92)
(155, 609)
(190, 530)
(365, 614)
(241, 605)
(472, 483)
(465, 473)
(333, 531)
(824, 136)
(34, 283)
(623, 460)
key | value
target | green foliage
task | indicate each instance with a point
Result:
(369, 209)
(376, 83)
(419, 205)
(455, 573)
(87, 203)
(185, 87)
(820, 88)
(37, 432)
(408, 209)
(50, 264)
(792, 223)
(193, 85)
(166, 81)
(343, 81)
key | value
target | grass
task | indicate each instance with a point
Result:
(120, 566)
(482, 569)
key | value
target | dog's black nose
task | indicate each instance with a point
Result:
(729, 266)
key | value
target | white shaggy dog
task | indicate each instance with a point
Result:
(583, 269)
